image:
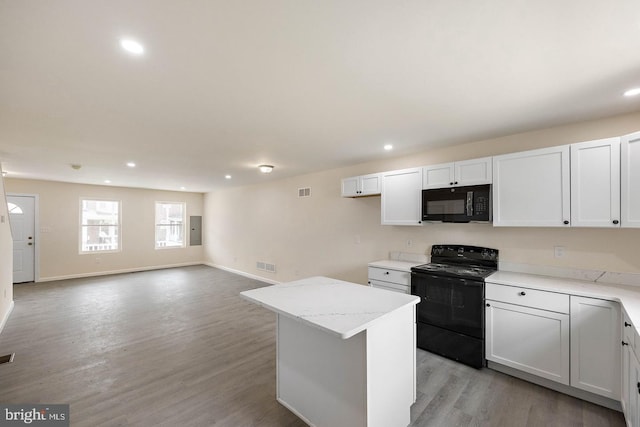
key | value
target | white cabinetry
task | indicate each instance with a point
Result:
(595, 183)
(630, 182)
(630, 382)
(467, 172)
(402, 197)
(524, 337)
(364, 185)
(531, 188)
(595, 346)
(390, 279)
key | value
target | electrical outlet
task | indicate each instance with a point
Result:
(558, 251)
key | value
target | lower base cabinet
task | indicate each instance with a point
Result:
(630, 374)
(572, 340)
(528, 339)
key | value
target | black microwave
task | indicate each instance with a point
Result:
(457, 204)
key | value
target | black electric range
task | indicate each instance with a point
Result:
(451, 310)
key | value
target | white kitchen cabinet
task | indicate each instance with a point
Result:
(630, 180)
(359, 186)
(531, 188)
(390, 279)
(595, 183)
(402, 197)
(528, 339)
(595, 346)
(466, 172)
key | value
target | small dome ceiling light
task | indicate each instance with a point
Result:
(388, 147)
(132, 46)
(131, 164)
(633, 92)
(107, 181)
(265, 168)
(227, 177)
(76, 166)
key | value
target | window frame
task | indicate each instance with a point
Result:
(156, 225)
(82, 226)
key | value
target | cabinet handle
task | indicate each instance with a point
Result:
(451, 183)
(615, 221)
(565, 222)
(624, 343)
(523, 293)
(627, 324)
(456, 183)
(638, 388)
(488, 305)
(386, 272)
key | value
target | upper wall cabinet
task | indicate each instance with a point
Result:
(595, 183)
(358, 186)
(467, 172)
(630, 182)
(402, 197)
(531, 188)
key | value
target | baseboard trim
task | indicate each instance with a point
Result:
(6, 316)
(110, 272)
(571, 391)
(243, 273)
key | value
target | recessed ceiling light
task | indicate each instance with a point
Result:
(633, 92)
(132, 46)
(107, 181)
(388, 147)
(265, 168)
(131, 164)
(182, 188)
(227, 177)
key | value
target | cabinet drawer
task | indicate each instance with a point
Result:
(386, 275)
(543, 300)
(390, 286)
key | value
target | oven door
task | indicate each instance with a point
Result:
(450, 303)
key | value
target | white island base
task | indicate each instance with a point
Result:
(345, 352)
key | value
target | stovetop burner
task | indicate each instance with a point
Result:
(460, 261)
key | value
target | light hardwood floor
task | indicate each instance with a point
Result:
(179, 347)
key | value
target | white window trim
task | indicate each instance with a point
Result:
(155, 225)
(110, 251)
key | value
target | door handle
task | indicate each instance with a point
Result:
(30, 243)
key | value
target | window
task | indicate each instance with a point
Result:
(100, 226)
(14, 209)
(170, 225)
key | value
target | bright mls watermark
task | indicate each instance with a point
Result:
(34, 415)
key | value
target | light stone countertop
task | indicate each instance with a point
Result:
(337, 307)
(627, 296)
(390, 264)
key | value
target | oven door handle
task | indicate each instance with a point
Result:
(469, 203)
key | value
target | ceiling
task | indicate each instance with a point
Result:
(304, 85)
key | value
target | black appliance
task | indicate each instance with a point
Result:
(450, 313)
(470, 203)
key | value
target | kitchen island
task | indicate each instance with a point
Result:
(345, 352)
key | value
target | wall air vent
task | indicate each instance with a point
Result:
(265, 266)
(304, 192)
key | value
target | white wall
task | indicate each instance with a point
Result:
(58, 242)
(6, 258)
(333, 236)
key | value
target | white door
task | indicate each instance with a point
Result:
(22, 219)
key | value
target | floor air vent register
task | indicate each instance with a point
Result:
(7, 358)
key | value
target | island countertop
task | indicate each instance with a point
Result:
(335, 306)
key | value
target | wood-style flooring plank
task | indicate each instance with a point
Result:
(179, 347)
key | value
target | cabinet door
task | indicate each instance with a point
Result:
(350, 187)
(402, 197)
(532, 188)
(474, 171)
(595, 346)
(438, 176)
(370, 184)
(528, 339)
(630, 165)
(595, 183)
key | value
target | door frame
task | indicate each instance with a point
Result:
(36, 229)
